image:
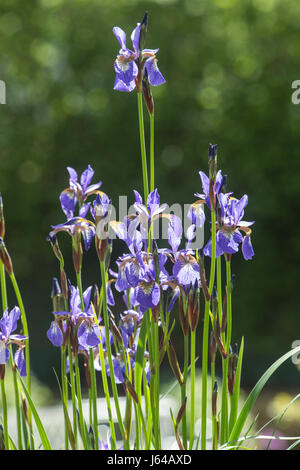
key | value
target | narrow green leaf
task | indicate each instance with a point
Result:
(238, 427)
(66, 415)
(40, 427)
(139, 358)
(236, 391)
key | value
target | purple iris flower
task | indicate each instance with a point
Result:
(229, 237)
(148, 291)
(127, 63)
(8, 324)
(147, 214)
(77, 192)
(76, 225)
(87, 330)
(196, 212)
(186, 269)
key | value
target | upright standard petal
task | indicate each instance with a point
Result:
(121, 36)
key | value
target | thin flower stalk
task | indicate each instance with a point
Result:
(27, 353)
(15, 380)
(94, 421)
(206, 332)
(193, 360)
(152, 171)
(143, 145)
(4, 414)
(109, 354)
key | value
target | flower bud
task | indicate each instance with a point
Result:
(64, 284)
(212, 161)
(193, 308)
(143, 31)
(212, 347)
(55, 247)
(148, 98)
(130, 389)
(5, 258)
(2, 221)
(183, 318)
(203, 275)
(115, 331)
(77, 251)
(232, 365)
(56, 295)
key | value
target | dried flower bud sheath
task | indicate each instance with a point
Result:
(5, 258)
(2, 220)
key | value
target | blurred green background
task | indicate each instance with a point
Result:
(229, 67)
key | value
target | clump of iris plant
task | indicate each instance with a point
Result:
(116, 333)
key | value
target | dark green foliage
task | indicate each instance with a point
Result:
(229, 66)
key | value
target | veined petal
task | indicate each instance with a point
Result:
(68, 201)
(55, 334)
(86, 178)
(126, 69)
(121, 86)
(154, 74)
(175, 232)
(20, 362)
(148, 294)
(88, 334)
(73, 174)
(3, 352)
(247, 248)
(8, 322)
(205, 182)
(135, 37)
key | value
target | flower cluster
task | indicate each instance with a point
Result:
(142, 277)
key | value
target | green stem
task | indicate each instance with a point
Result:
(64, 391)
(152, 175)
(193, 357)
(183, 388)
(206, 331)
(15, 381)
(94, 398)
(27, 354)
(143, 146)
(156, 359)
(4, 415)
(3, 287)
(224, 414)
(109, 353)
(73, 393)
(79, 399)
